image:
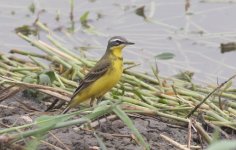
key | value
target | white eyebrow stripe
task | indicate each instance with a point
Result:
(116, 40)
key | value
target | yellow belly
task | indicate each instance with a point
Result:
(100, 86)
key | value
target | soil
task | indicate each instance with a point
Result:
(114, 134)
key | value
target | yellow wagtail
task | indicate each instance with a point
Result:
(103, 76)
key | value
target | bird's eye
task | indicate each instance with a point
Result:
(117, 42)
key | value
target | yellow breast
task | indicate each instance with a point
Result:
(113, 75)
(103, 84)
(110, 79)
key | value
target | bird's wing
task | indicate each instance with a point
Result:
(100, 69)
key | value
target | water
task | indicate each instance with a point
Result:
(194, 37)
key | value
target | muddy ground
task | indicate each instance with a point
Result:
(115, 135)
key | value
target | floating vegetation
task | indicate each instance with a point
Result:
(228, 47)
(84, 20)
(26, 30)
(165, 56)
(32, 8)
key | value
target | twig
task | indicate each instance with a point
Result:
(131, 66)
(202, 132)
(216, 128)
(36, 86)
(56, 94)
(176, 144)
(194, 147)
(9, 91)
(203, 101)
(112, 134)
(27, 107)
(189, 133)
(55, 137)
(51, 145)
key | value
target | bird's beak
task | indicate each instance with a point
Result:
(129, 43)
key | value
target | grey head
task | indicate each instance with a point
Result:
(118, 41)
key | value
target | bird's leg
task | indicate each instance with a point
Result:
(105, 116)
(53, 104)
(59, 105)
(91, 101)
(99, 99)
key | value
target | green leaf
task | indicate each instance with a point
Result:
(146, 11)
(84, 19)
(44, 79)
(32, 8)
(100, 142)
(26, 30)
(185, 76)
(140, 12)
(223, 145)
(51, 75)
(28, 79)
(165, 56)
(124, 117)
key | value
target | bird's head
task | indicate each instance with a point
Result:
(117, 43)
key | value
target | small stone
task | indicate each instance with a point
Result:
(118, 124)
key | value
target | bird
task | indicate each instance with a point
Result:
(103, 76)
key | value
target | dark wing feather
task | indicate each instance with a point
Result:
(100, 69)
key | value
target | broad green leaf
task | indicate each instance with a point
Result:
(44, 79)
(223, 145)
(51, 75)
(165, 56)
(47, 78)
(124, 117)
